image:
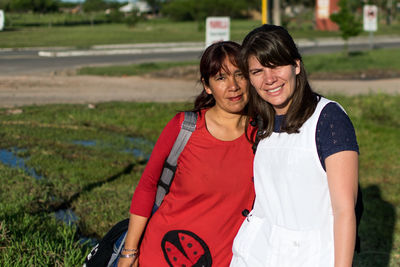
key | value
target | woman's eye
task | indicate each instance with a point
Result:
(254, 72)
(219, 78)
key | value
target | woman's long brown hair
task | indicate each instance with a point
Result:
(273, 46)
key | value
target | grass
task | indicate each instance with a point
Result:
(85, 179)
(19, 20)
(377, 125)
(156, 30)
(133, 69)
(160, 30)
(373, 61)
(97, 181)
(377, 59)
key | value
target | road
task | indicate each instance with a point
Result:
(29, 79)
(29, 61)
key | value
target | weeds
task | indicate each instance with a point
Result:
(88, 166)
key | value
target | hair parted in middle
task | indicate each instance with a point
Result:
(273, 46)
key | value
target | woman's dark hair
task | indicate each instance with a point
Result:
(273, 46)
(211, 63)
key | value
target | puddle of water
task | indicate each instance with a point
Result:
(84, 142)
(140, 141)
(67, 216)
(138, 153)
(142, 146)
(9, 158)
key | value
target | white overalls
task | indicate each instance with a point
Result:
(291, 224)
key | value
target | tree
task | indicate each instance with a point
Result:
(37, 6)
(94, 5)
(155, 5)
(91, 6)
(199, 10)
(306, 3)
(349, 26)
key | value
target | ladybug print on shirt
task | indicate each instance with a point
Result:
(185, 249)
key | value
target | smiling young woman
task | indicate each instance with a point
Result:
(305, 167)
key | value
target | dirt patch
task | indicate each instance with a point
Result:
(191, 73)
(47, 89)
(175, 84)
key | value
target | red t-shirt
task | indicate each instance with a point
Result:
(199, 218)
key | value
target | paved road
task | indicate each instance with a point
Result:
(16, 62)
(27, 78)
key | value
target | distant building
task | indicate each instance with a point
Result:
(140, 7)
(323, 10)
(72, 10)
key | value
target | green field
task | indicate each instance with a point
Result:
(85, 35)
(379, 62)
(84, 160)
(157, 30)
(57, 158)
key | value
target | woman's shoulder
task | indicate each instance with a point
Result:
(335, 131)
(333, 110)
(177, 120)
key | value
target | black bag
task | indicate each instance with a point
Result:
(101, 254)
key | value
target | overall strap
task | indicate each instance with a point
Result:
(168, 172)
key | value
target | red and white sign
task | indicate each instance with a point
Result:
(217, 29)
(370, 18)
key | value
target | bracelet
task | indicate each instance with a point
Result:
(128, 255)
(135, 250)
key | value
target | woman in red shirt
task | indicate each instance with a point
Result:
(199, 217)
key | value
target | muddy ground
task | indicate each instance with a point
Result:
(178, 84)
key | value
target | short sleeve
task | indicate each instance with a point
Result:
(335, 132)
(143, 198)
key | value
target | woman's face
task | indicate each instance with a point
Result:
(229, 88)
(274, 85)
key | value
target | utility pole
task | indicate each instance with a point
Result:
(277, 12)
(264, 11)
(267, 6)
(389, 5)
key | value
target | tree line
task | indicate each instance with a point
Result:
(175, 9)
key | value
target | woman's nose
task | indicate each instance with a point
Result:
(269, 76)
(233, 84)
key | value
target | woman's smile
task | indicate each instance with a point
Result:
(273, 91)
(274, 85)
(236, 98)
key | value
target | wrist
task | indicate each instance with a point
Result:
(130, 250)
(129, 253)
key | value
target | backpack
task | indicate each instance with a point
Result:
(106, 252)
